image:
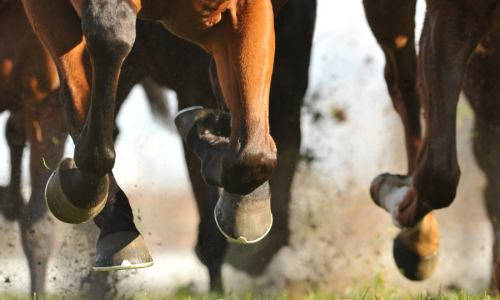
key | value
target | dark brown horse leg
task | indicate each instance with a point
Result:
(481, 86)
(47, 134)
(441, 68)
(11, 200)
(78, 189)
(243, 48)
(393, 24)
(211, 245)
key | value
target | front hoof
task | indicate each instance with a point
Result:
(385, 183)
(245, 219)
(123, 250)
(376, 185)
(389, 192)
(412, 265)
(60, 206)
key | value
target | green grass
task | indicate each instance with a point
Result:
(369, 293)
(358, 295)
(377, 289)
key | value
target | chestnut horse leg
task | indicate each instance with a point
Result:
(46, 133)
(393, 25)
(481, 86)
(294, 27)
(243, 48)
(441, 68)
(11, 200)
(80, 189)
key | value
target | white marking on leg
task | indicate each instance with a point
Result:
(391, 198)
(392, 193)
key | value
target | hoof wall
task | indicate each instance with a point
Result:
(412, 265)
(383, 183)
(122, 251)
(388, 192)
(60, 206)
(245, 219)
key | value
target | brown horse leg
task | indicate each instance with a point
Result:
(294, 27)
(243, 48)
(47, 134)
(11, 201)
(483, 92)
(244, 55)
(441, 68)
(393, 25)
(78, 189)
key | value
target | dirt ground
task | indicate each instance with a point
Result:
(340, 239)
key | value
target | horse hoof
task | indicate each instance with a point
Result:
(245, 219)
(388, 192)
(185, 119)
(123, 250)
(201, 122)
(385, 182)
(412, 265)
(206, 132)
(60, 206)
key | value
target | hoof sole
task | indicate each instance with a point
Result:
(60, 206)
(122, 251)
(386, 181)
(412, 265)
(245, 219)
(186, 119)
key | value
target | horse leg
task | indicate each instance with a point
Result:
(483, 92)
(11, 200)
(46, 133)
(436, 174)
(84, 187)
(393, 25)
(243, 48)
(294, 27)
(211, 245)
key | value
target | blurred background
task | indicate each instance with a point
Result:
(340, 239)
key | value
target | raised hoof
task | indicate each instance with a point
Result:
(185, 119)
(206, 132)
(60, 206)
(412, 265)
(201, 121)
(388, 192)
(383, 183)
(245, 219)
(123, 250)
